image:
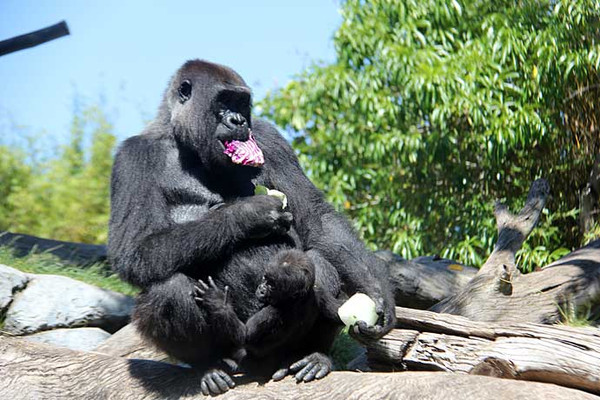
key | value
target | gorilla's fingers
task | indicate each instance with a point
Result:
(199, 299)
(198, 291)
(280, 374)
(316, 367)
(300, 376)
(325, 369)
(230, 383)
(211, 384)
(299, 364)
(220, 382)
(226, 293)
(365, 333)
(212, 283)
(202, 286)
(204, 387)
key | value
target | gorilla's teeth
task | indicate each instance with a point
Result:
(245, 153)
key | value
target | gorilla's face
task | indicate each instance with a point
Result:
(210, 106)
(286, 279)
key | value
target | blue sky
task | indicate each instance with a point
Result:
(120, 54)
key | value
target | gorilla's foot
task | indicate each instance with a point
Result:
(215, 381)
(313, 366)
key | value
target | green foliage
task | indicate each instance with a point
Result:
(46, 263)
(434, 109)
(66, 197)
(578, 316)
(344, 350)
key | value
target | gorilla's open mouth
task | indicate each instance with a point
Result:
(245, 153)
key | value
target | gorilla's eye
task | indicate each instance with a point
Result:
(185, 91)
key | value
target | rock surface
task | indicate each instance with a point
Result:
(86, 339)
(11, 281)
(51, 302)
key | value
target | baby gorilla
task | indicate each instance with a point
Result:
(290, 311)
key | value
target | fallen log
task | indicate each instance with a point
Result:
(33, 370)
(499, 292)
(426, 340)
(73, 253)
(424, 281)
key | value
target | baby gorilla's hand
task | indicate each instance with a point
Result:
(213, 298)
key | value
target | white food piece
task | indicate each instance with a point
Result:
(359, 307)
(278, 194)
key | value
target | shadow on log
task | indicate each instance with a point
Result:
(31, 370)
(424, 281)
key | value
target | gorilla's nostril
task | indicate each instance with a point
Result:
(236, 119)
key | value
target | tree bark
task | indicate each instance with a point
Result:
(500, 293)
(34, 38)
(424, 281)
(427, 340)
(33, 370)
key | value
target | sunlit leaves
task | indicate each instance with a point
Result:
(435, 108)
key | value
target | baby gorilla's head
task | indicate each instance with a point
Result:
(289, 276)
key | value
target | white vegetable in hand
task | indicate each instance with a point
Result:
(359, 307)
(259, 189)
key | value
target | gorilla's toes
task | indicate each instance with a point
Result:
(280, 374)
(311, 367)
(215, 382)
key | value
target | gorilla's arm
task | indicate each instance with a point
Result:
(146, 246)
(325, 231)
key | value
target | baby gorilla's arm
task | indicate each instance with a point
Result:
(223, 320)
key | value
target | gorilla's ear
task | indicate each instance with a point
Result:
(184, 91)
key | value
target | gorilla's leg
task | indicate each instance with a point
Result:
(168, 315)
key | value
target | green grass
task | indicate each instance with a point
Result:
(45, 263)
(578, 316)
(344, 350)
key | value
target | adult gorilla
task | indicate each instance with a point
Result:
(182, 209)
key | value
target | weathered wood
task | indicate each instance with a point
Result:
(73, 253)
(427, 340)
(424, 281)
(34, 38)
(31, 370)
(500, 293)
(128, 343)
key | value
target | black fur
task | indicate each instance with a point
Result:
(182, 211)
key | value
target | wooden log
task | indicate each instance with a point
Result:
(73, 253)
(427, 340)
(424, 281)
(128, 343)
(33, 370)
(34, 38)
(500, 293)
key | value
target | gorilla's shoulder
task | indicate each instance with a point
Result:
(271, 141)
(144, 149)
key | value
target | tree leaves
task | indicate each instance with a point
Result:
(434, 109)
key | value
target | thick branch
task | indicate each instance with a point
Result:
(75, 253)
(39, 371)
(34, 38)
(500, 293)
(424, 281)
(430, 341)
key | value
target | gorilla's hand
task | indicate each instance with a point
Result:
(314, 366)
(364, 333)
(263, 215)
(213, 298)
(215, 381)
